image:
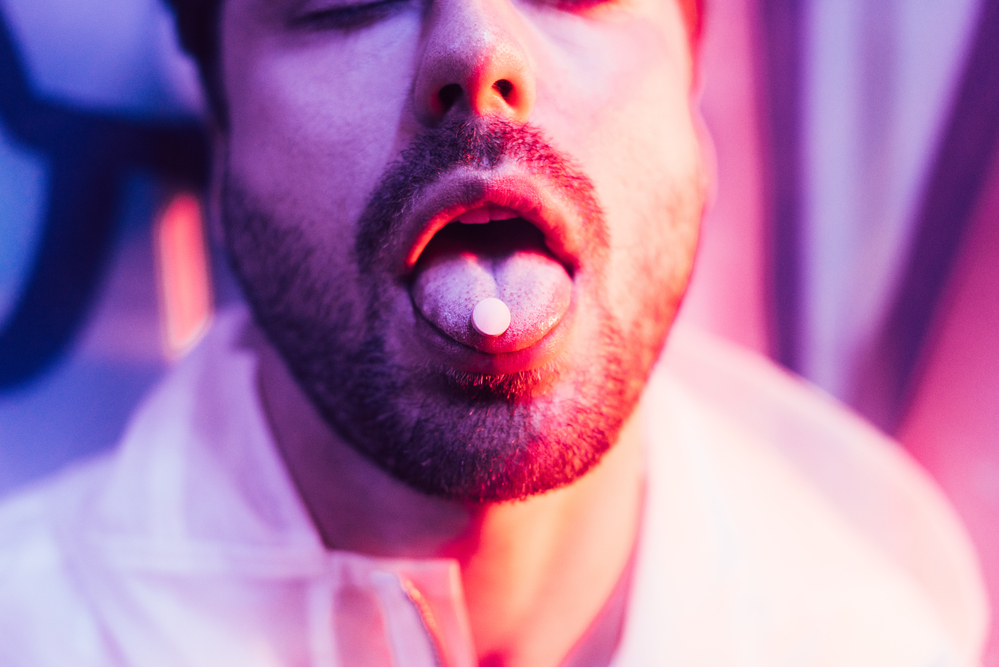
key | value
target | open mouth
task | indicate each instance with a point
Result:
(488, 280)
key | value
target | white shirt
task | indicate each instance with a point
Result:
(777, 530)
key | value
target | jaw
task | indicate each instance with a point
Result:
(447, 418)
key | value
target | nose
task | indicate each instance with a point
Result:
(474, 62)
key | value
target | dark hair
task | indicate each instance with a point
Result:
(198, 28)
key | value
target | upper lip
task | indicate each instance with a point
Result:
(466, 189)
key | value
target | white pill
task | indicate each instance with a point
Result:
(491, 317)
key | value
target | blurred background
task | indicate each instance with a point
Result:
(853, 237)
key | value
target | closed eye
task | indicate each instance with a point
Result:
(348, 17)
(573, 5)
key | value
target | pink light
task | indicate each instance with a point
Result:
(182, 275)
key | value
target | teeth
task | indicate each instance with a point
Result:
(502, 213)
(477, 216)
(483, 214)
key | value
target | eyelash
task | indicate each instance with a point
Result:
(574, 6)
(347, 18)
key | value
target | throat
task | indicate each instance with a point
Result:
(535, 573)
(547, 579)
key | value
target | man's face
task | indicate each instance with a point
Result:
(365, 138)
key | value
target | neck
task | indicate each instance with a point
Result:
(536, 573)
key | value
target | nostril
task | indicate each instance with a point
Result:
(448, 95)
(504, 88)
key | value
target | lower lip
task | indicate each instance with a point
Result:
(467, 359)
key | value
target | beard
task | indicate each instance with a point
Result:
(474, 437)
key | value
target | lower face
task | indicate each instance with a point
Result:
(326, 206)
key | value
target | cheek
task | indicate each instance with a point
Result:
(315, 123)
(634, 135)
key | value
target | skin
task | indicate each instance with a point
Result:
(535, 573)
(317, 112)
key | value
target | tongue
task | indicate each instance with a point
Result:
(533, 285)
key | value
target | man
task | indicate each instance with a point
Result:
(463, 228)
